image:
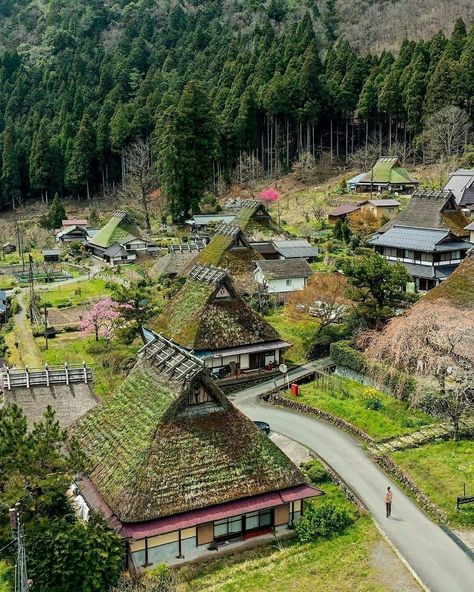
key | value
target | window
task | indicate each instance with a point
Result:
(227, 526)
(288, 282)
(261, 519)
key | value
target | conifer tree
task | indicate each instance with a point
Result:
(80, 165)
(41, 161)
(11, 180)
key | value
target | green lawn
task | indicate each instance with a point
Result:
(110, 364)
(300, 333)
(378, 414)
(74, 294)
(440, 470)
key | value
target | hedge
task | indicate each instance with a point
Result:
(385, 377)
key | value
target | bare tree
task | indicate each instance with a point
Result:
(451, 396)
(305, 168)
(249, 170)
(324, 298)
(446, 133)
(139, 178)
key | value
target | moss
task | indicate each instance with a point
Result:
(458, 288)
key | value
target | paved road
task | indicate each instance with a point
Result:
(440, 564)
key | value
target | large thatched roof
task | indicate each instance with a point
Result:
(210, 315)
(152, 452)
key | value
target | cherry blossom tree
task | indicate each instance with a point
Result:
(270, 195)
(101, 319)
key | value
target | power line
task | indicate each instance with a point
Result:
(22, 583)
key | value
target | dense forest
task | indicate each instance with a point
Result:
(207, 81)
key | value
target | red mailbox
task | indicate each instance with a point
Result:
(295, 389)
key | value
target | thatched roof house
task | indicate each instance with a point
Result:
(207, 316)
(171, 458)
(387, 174)
(120, 240)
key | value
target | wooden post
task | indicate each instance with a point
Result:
(66, 370)
(46, 369)
(9, 386)
(85, 372)
(27, 374)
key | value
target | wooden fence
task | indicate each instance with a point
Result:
(31, 377)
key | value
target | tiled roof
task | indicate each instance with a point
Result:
(295, 249)
(459, 182)
(277, 269)
(419, 239)
(75, 222)
(152, 453)
(384, 203)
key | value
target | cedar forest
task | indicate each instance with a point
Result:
(80, 81)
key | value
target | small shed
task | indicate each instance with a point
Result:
(3, 305)
(8, 248)
(341, 212)
(295, 249)
(51, 255)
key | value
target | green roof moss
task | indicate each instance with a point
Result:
(114, 231)
(458, 288)
(150, 455)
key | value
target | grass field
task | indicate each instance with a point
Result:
(110, 364)
(300, 333)
(74, 294)
(378, 414)
(440, 470)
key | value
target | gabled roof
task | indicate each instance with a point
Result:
(437, 210)
(116, 250)
(388, 170)
(343, 210)
(173, 262)
(70, 229)
(460, 181)
(204, 219)
(152, 452)
(199, 318)
(295, 249)
(117, 228)
(282, 269)
(419, 239)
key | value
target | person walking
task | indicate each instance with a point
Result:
(388, 502)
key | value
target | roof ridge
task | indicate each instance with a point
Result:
(170, 359)
(207, 274)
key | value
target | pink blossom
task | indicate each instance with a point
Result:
(269, 195)
(101, 319)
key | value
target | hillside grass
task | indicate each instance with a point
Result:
(299, 333)
(290, 566)
(110, 363)
(440, 469)
(353, 402)
(75, 294)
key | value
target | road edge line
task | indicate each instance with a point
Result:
(400, 556)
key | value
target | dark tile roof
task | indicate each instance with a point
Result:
(151, 453)
(459, 182)
(280, 269)
(419, 239)
(295, 249)
(343, 210)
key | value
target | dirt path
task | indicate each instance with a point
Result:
(29, 352)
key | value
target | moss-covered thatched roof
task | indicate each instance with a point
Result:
(117, 228)
(458, 289)
(151, 454)
(197, 320)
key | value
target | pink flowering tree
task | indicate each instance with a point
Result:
(101, 319)
(269, 195)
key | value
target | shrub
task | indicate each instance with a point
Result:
(344, 355)
(316, 472)
(373, 403)
(324, 520)
(162, 576)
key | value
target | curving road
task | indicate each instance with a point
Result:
(440, 564)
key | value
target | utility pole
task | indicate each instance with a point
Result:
(22, 583)
(46, 325)
(32, 286)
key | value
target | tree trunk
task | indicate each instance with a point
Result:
(330, 141)
(88, 190)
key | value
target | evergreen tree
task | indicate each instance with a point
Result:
(11, 180)
(187, 148)
(41, 160)
(79, 167)
(56, 214)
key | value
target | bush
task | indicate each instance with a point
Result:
(344, 355)
(373, 403)
(162, 576)
(324, 520)
(316, 472)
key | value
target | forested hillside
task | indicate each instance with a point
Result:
(207, 82)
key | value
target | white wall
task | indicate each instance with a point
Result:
(280, 286)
